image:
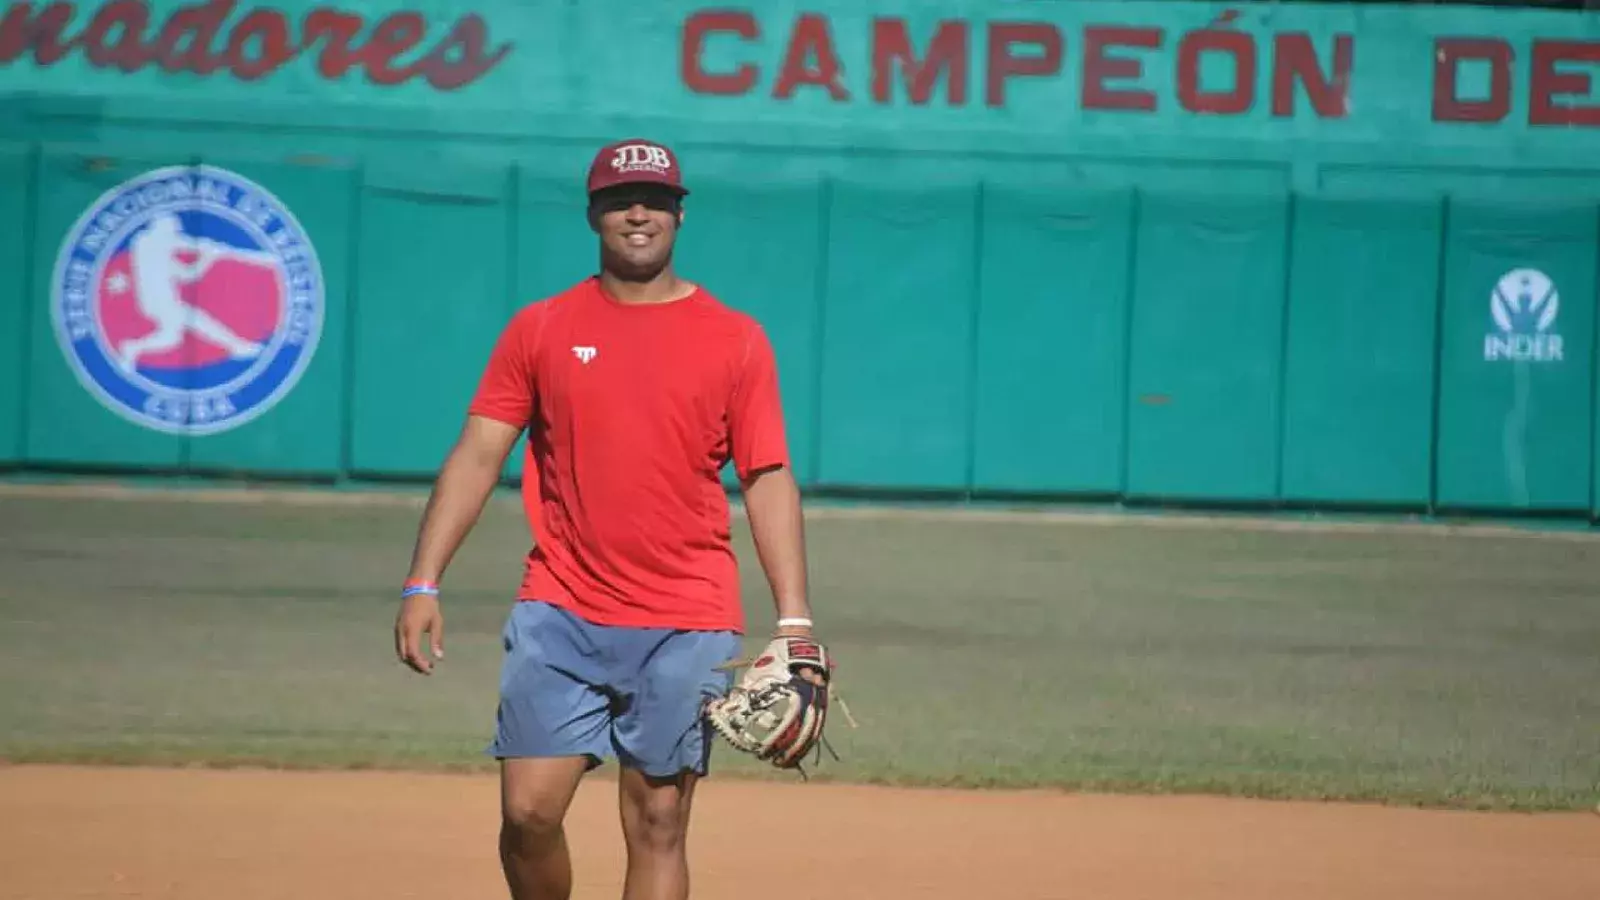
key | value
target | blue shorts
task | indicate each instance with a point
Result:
(569, 687)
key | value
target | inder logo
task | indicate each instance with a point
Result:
(1524, 307)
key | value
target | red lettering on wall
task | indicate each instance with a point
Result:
(262, 41)
(1447, 103)
(811, 38)
(112, 38)
(463, 56)
(1306, 69)
(1295, 59)
(1003, 64)
(1098, 67)
(1547, 83)
(1228, 102)
(393, 37)
(947, 53)
(196, 28)
(337, 31)
(271, 50)
(18, 33)
(691, 66)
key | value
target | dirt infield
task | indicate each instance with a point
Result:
(251, 835)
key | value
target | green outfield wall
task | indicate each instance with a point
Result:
(1250, 253)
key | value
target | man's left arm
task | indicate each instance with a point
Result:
(777, 525)
(766, 478)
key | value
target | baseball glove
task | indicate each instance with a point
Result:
(777, 709)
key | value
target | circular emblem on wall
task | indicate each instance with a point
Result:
(187, 300)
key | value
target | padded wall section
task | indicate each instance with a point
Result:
(1363, 310)
(306, 221)
(432, 296)
(17, 299)
(756, 246)
(1206, 345)
(1516, 400)
(1052, 312)
(897, 325)
(96, 375)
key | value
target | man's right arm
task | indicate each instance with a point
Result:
(465, 481)
(501, 409)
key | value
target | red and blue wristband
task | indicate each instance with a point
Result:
(413, 587)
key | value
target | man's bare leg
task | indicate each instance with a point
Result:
(534, 796)
(655, 826)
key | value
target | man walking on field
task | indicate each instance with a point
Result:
(635, 387)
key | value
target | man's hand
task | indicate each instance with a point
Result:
(419, 615)
(465, 482)
(802, 631)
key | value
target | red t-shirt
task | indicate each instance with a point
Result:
(631, 412)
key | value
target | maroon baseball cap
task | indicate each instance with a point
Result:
(635, 161)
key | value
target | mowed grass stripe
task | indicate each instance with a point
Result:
(1415, 668)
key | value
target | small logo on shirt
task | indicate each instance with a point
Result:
(584, 354)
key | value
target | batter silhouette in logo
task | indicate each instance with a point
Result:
(158, 275)
(188, 300)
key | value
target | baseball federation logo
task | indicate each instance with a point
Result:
(188, 300)
(1523, 308)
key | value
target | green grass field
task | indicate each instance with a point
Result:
(1434, 668)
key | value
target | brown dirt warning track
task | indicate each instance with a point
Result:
(71, 832)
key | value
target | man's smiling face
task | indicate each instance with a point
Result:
(638, 226)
